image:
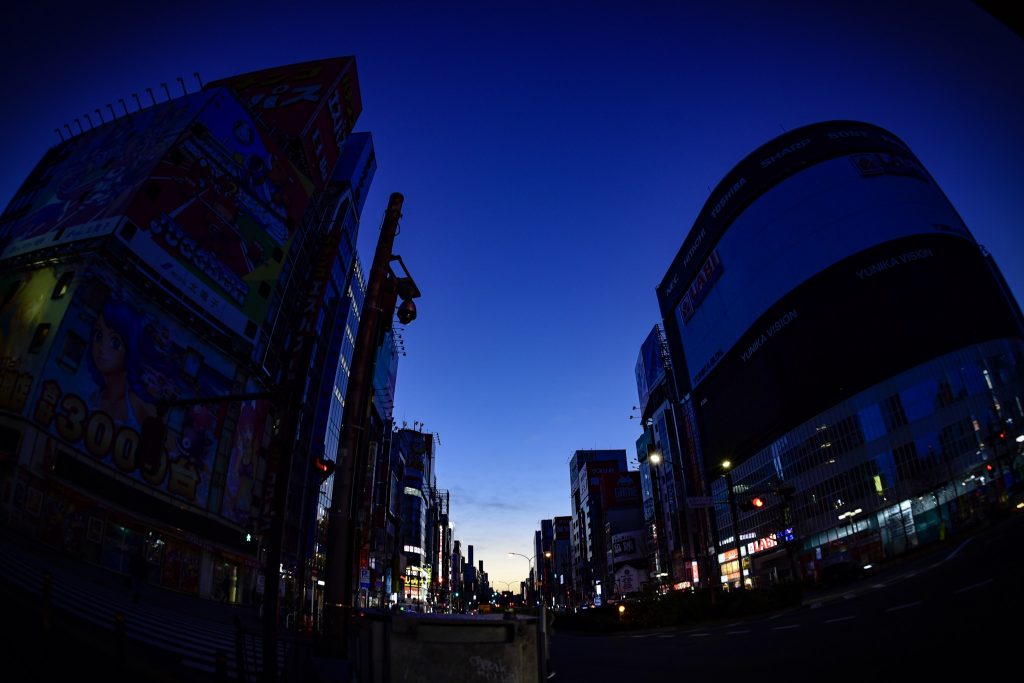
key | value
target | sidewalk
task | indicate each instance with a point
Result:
(91, 622)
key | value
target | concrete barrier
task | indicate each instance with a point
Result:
(429, 648)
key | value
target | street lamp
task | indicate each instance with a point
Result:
(726, 468)
(529, 562)
(655, 458)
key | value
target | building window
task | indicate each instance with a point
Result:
(39, 338)
(62, 285)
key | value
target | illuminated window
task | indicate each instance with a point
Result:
(62, 285)
(39, 338)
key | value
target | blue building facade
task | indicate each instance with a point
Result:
(839, 336)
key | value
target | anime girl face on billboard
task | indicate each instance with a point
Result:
(112, 360)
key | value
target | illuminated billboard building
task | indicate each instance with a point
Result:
(589, 551)
(419, 485)
(835, 328)
(200, 247)
(675, 532)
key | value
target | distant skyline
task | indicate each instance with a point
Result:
(553, 156)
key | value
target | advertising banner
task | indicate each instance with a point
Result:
(217, 214)
(247, 450)
(82, 187)
(620, 489)
(112, 359)
(627, 546)
(317, 102)
(28, 317)
(629, 579)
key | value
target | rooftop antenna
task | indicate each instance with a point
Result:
(167, 91)
(181, 82)
(196, 74)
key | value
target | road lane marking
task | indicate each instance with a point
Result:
(958, 549)
(783, 628)
(699, 635)
(973, 585)
(899, 607)
(816, 605)
(837, 619)
(736, 633)
(878, 585)
(667, 636)
(849, 596)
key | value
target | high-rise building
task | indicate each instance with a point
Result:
(840, 337)
(676, 532)
(161, 269)
(589, 553)
(419, 484)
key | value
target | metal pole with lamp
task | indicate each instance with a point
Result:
(727, 472)
(382, 292)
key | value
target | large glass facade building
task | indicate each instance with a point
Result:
(836, 329)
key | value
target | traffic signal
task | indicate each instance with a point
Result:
(755, 503)
(325, 468)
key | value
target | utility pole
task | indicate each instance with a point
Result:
(382, 292)
(735, 524)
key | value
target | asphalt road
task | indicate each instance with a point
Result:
(954, 610)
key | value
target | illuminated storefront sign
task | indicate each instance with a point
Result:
(701, 285)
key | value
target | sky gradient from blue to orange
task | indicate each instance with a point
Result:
(553, 156)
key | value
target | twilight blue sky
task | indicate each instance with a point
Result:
(553, 156)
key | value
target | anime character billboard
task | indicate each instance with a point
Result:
(81, 187)
(112, 359)
(316, 102)
(31, 307)
(247, 451)
(217, 214)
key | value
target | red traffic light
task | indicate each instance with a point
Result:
(326, 467)
(755, 503)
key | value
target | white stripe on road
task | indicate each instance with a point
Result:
(958, 549)
(816, 605)
(736, 633)
(899, 607)
(973, 585)
(849, 596)
(837, 619)
(699, 635)
(878, 585)
(783, 628)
